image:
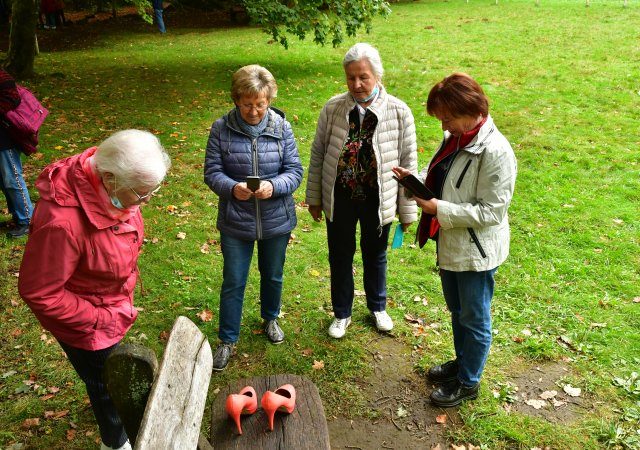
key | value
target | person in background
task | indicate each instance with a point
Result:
(158, 9)
(49, 8)
(80, 264)
(361, 135)
(12, 181)
(473, 176)
(252, 140)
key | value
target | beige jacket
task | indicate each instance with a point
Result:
(477, 192)
(394, 144)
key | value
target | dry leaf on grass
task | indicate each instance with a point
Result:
(546, 395)
(442, 419)
(318, 365)
(205, 315)
(181, 235)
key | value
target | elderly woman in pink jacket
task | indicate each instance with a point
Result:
(79, 268)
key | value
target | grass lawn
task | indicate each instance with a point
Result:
(564, 84)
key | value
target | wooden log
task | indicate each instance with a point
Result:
(176, 405)
(128, 373)
(305, 428)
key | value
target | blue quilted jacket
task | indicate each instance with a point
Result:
(232, 156)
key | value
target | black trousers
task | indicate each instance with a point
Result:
(89, 364)
(341, 236)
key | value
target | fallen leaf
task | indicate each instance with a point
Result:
(570, 390)
(557, 403)
(546, 395)
(318, 365)
(314, 273)
(181, 235)
(205, 315)
(597, 325)
(204, 248)
(401, 412)
(30, 423)
(636, 299)
(537, 404)
(442, 419)
(359, 293)
(307, 352)
(71, 435)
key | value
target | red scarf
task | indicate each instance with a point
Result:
(429, 224)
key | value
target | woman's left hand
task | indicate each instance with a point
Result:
(265, 191)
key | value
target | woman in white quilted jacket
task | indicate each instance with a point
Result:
(472, 175)
(361, 135)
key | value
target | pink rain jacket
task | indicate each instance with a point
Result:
(79, 268)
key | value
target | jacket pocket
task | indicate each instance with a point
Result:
(476, 241)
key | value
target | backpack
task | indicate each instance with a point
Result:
(23, 122)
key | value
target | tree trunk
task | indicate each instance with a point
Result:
(22, 39)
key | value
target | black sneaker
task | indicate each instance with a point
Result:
(18, 231)
(444, 372)
(453, 393)
(221, 356)
(274, 332)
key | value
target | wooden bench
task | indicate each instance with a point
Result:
(305, 428)
(172, 415)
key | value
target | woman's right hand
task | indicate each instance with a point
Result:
(316, 212)
(401, 172)
(242, 192)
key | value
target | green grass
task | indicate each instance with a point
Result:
(563, 81)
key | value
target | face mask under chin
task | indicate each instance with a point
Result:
(115, 201)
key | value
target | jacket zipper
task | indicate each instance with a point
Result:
(256, 172)
(477, 242)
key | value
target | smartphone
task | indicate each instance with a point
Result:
(253, 183)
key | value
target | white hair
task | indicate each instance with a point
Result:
(362, 51)
(135, 157)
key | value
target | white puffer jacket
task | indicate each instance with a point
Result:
(474, 224)
(394, 144)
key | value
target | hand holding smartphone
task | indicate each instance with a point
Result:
(253, 183)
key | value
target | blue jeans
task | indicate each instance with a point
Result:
(237, 254)
(341, 237)
(160, 20)
(468, 296)
(13, 186)
(89, 365)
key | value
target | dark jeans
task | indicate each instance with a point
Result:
(468, 296)
(341, 236)
(89, 365)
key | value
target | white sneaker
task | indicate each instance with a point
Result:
(339, 327)
(383, 321)
(125, 446)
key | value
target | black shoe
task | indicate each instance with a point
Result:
(453, 393)
(274, 332)
(18, 231)
(444, 372)
(221, 356)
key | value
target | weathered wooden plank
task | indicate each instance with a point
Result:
(129, 372)
(305, 428)
(176, 404)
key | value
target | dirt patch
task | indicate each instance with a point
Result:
(406, 420)
(535, 394)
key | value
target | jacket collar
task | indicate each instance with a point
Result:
(478, 143)
(274, 123)
(66, 184)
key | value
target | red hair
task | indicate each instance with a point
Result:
(458, 95)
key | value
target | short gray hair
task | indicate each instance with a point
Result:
(253, 80)
(135, 157)
(362, 51)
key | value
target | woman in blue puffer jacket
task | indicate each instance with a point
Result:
(252, 164)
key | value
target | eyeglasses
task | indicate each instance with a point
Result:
(147, 195)
(259, 107)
